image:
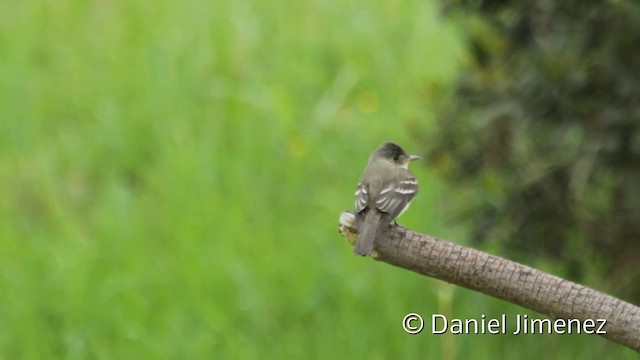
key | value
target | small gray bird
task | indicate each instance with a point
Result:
(385, 191)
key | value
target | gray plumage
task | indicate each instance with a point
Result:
(384, 191)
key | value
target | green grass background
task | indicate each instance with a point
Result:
(172, 172)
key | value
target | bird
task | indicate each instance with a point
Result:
(384, 192)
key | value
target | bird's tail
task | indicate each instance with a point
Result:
(372, 222)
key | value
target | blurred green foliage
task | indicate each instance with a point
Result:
(543, 135)
(172, 175)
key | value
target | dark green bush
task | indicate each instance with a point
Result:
(544, 126)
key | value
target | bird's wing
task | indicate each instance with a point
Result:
(396, 195)
(362, 196)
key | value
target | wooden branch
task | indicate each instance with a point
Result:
(504, 279)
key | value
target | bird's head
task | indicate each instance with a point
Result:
(391, 151)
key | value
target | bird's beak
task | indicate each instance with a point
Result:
(409, 159)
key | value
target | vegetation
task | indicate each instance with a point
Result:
(544, 131)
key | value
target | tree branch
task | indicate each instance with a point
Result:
(504, 279)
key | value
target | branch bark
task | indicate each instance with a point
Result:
(504, 279)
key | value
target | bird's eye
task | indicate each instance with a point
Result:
(396, 157)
